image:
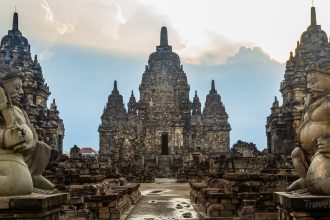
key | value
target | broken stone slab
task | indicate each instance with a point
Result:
(302, 202)
(302, 206)
(33, 206)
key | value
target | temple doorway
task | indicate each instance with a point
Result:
(164, 144)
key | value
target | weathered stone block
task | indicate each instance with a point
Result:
(33, 206)
(225, 201)
(235, 201)
(226, 213)
(104, 209)
(214, 213)
(230, 207)
(265, 216)
(115, 216)
(302, 207)
(104, 215)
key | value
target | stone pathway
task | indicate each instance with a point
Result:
(164, 200)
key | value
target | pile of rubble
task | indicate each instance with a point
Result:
(239, 196)
(96, 191)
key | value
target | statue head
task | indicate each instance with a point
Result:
(318, 79)
(11, 81)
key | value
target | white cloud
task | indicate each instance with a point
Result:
(65, 28)
(215, 50)
(46, 54)
(49, 14)
(62, 28)
(202, 32)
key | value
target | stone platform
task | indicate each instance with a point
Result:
(32, 207)
(302, 206)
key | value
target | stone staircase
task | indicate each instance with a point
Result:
(164, 164)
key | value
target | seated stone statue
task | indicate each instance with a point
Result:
(311, 158)
(22, 157)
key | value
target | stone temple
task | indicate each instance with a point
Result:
(284, 120)
(164, 128)
(15, 51)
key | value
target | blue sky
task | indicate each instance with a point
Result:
(84, 46)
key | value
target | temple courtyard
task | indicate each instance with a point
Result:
(164, 199)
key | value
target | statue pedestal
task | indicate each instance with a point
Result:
(34, 206)
(302, 207)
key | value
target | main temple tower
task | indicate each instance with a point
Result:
(164, 127)
(164, 105)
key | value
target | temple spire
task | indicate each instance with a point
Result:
(115, 85)
(275, 103)
(195, 93)
(163, 37)
(313, 16)
(212, 85)
(15, 21)
(115, 90)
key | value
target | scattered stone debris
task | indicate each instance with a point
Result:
(237, 195)
(187, 215)
(96, 191)
(178, 206)
(156, 192)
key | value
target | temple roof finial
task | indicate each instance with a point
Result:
(212, 85)
(115, 89)
(291, 55)
(15, 21)
(163, 37)
(195, 93)
(313, 16)
(115, 85)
